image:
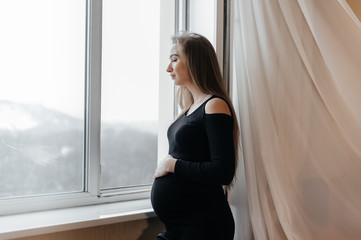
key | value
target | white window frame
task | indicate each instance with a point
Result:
(92, 194)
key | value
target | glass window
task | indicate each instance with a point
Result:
(202, 18)
(52, 97)
(42, 59)
(130, 83)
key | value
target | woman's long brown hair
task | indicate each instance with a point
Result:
(203, 67)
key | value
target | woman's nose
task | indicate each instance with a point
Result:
(169, 68)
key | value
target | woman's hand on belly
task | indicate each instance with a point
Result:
(165, 166)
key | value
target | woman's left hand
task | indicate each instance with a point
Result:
(165, 166)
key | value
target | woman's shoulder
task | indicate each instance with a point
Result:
(217, 105)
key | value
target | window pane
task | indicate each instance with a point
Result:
(202, 18)
(42, 48)
(129, 92)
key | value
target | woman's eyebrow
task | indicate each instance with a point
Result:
(173, 55)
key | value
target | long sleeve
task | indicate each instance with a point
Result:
(220, 168)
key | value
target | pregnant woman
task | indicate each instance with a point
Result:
(189, 190)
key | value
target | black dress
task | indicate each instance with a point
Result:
(191, 202)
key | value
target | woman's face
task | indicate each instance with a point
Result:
(177, 68)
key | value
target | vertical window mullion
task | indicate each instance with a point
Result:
(181, 23)
(226, 66)
(93, 98)
(219, 31)
(167, 104)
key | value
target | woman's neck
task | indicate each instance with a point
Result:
(200, 98)
(197, 94)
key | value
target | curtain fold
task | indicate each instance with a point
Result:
(298, 85)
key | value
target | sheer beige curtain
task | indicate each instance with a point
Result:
(298, 87)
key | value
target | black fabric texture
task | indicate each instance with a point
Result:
(191, 202)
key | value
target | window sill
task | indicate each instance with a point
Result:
(30, 224)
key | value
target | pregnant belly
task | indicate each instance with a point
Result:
(172, 197)
(175, 199)
(164, 196)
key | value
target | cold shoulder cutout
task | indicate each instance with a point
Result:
(217, 105)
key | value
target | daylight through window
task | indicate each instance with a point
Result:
(42, 58)
(130, 83)
(80, 109)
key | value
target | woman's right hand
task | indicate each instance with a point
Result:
(165, 166)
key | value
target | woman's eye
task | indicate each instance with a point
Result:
(174, 59)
